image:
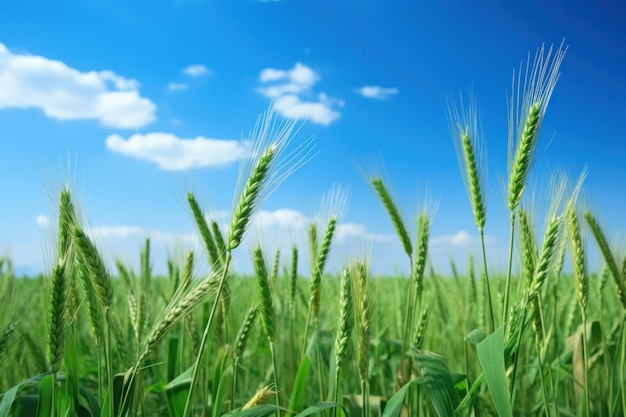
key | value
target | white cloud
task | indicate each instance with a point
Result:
(176, 154)
(177, 86)
(460, 238)
(64, 93)
(352, 230)
(42, 220)
(284, 218)
(196, 70)
(291, 91)
(377, 92)
(319, 112)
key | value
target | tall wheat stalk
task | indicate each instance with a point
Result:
(618, 277)
(581, 280)
(265, 305)
(464, 125)
(344, 329)
(363, 303)
(265, 170)
(527, 108)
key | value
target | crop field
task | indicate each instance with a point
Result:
(92, 339)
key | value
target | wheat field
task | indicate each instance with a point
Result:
(92, 339)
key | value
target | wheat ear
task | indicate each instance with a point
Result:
(243, 335)
(346, 319)
(363, 313)
(94, 267)
(607, 254)
(528, 246)
(261, 397)
(203, 229)
(57, 315)
(248, 199)
(421, 252)
(394, 213)
(264, 295)
(523, 157)
(179, 309)
(549, 249)
(320, 263)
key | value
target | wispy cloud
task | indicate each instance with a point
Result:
(462, 238)
(196, 70)
(347, 231)
(42, 220)
(64, 93)
(377, 92)
(291, 92)
(177, 86)
(177, 154)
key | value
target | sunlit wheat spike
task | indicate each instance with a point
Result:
(468, 142)
(537, 319)
(363, 312)
(322, 255)
(423, 236)
(275, 265)
(478, 205)
(247, 201)
(551, 240)
(57, 314)
(577, 247)
(346, 319)
(94, 267)
(420, 328)
(472, 279)
(95, 313)
(178, 309)
(121, 342)
(187, 271)
(604, 278)
(203, 229)
(67, 217)
(527, 107)
(394, 213)
(264, 295)
(221, 317)
(523, 157)
(261, 397)
(243, 335)
(219, 239)
(607, 254)
(528, 245)
(327, 241)
(312, 233)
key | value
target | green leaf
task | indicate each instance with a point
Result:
(44, 405)
(475, 337)
(9, 396)
(300, 383)
(491, 357)
(438, 382)
(394, 404)
(123, 392)
(319, 407)
(177, 391)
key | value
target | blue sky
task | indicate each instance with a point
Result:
(137, 102)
